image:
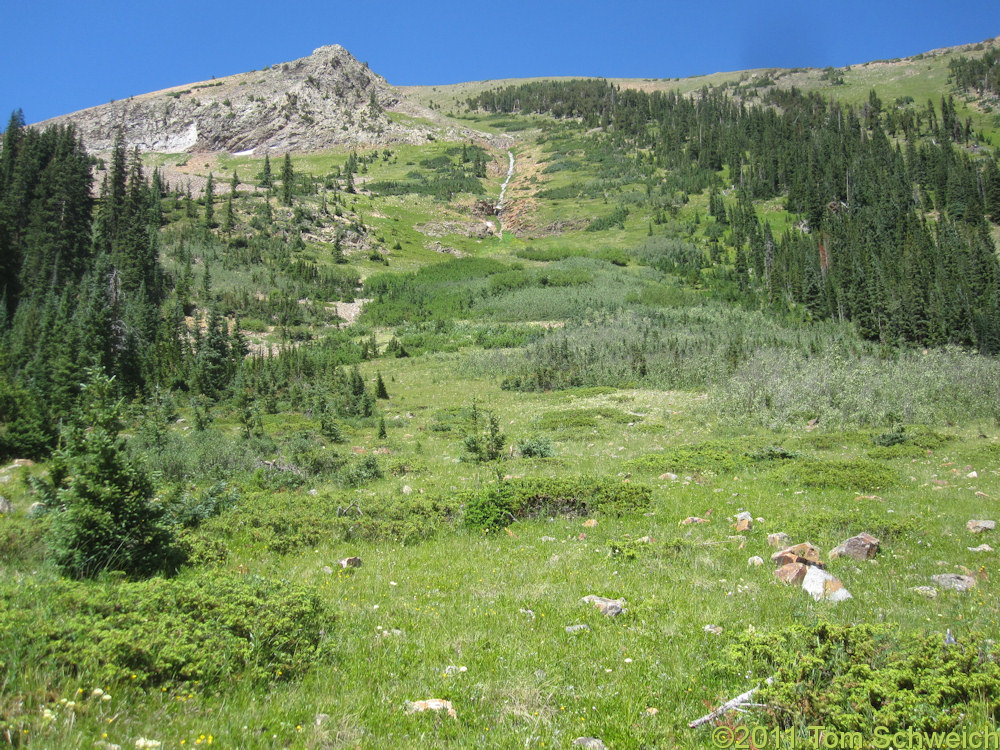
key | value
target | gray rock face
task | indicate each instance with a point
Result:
(316, 102)
(954, 581)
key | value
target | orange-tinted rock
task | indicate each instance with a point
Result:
(792, 573)
(803, 553)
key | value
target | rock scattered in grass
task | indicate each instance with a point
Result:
(328, 570)
(590, 743)
(781, 539)
(954, 581)
(861, 547)
(528, 613)
(5, 506)
(452, 669)
(755, 562)
(928, 592)
(977, 527)
(668, 475)
(574, 629)
(801, 553)
(791, 574)
(607, 607)
(351, 562)
(823, 586)
(980, 548)
(431, 704)
(713, 629)
(693, 519)
(590, 523)
(548, 539)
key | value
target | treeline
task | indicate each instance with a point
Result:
(83, 291)
(892, 209)
(981, 75)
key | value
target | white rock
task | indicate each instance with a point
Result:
(821, 585)
(755, 561)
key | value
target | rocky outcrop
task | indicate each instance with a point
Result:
(316, 102)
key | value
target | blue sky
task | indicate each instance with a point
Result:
(59, 56)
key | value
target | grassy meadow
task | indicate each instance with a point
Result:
(590, 380)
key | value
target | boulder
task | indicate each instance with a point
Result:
(791, 573)
(607, 607)
(860, 547)
(801, 553)
(954, 581)
(822, 585)
(977, 527)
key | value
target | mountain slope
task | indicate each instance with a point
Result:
(323, 100)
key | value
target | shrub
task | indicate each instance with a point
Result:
(511, 500)
(536, 447)
(856, 474)
(169, 631)
(365, 470)
(862, 677)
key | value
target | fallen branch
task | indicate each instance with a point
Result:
(739, 702)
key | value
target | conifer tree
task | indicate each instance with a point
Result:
(265, 179)
(210, 202)
(287, 180)
(104, 517)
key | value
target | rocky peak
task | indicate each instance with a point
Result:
(323, 100)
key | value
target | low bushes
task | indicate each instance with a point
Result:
(166, 631)
(511, 500)
(866, 678)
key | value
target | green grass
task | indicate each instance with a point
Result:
(651, 382)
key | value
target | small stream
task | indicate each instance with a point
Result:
(503, 190)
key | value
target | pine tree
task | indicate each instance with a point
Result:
(265, 179)
(210, 202)
(287, 181)
(382, 434)
(104, 516)
(380, 391)
(229, 218)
